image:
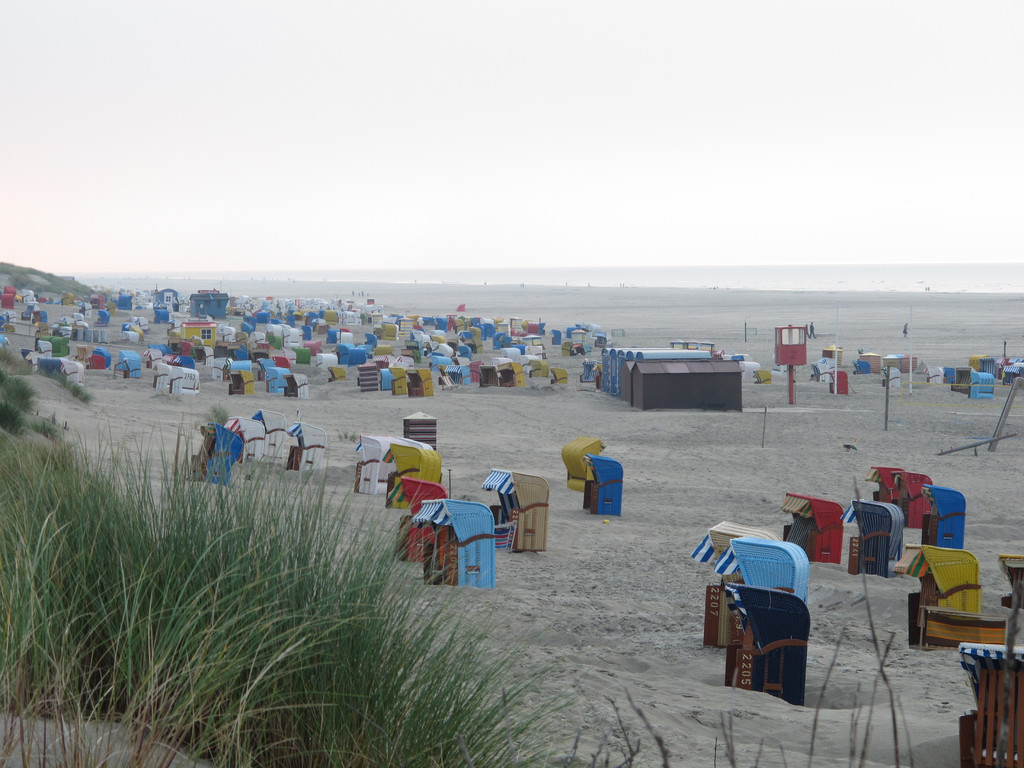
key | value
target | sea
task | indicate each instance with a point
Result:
(910, 278)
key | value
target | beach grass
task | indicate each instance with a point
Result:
(250, 625)
(19, 393)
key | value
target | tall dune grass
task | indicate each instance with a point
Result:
(254, 625)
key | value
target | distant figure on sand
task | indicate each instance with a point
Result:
(810, 331)
(905, 326)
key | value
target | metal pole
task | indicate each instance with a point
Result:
(911, 366)
(835, 355)
(764, 425)
(888, 381)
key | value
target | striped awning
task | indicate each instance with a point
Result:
(850, 515)
(1012, 565)
(397, 494)
(727, 563)
(975, 657)
(913, 563)
(433, 511)
(705, 551)
(797, 505)
(735, 603)
(499, 480)
(873, 476)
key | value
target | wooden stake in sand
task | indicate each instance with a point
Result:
(764, 426)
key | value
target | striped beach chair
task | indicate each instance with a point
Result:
(989, 667)
(523, 502)
(880, 543)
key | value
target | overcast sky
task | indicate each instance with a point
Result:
(215, 134)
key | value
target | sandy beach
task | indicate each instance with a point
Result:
(614, 607)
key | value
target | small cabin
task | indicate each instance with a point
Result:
(203, 332)
(208, 303)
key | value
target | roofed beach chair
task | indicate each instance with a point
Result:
(777, 626)
(412, 542)
(721, 628)
(462, 552)
(946, 611)
(910, 497)
(220, 450)
(310, 447)
(522, 511)
(296, 385)
(989, 668)
(772, 564)
(419, 383)
(817, 527)
(580, 474)
(241, 383)
(276, 426)
(606, 490)
(253, 433)
(944, 523)
(880, 543)
(417, 460)
(886, 479)
(1013, 568)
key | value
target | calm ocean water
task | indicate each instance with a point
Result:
(945, 278)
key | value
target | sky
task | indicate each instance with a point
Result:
(267, 135)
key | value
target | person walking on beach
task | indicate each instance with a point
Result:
(905, 326)
(810, 331)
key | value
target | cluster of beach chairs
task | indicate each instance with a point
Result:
(757, 610)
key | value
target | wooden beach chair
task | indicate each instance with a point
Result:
(996, 677)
